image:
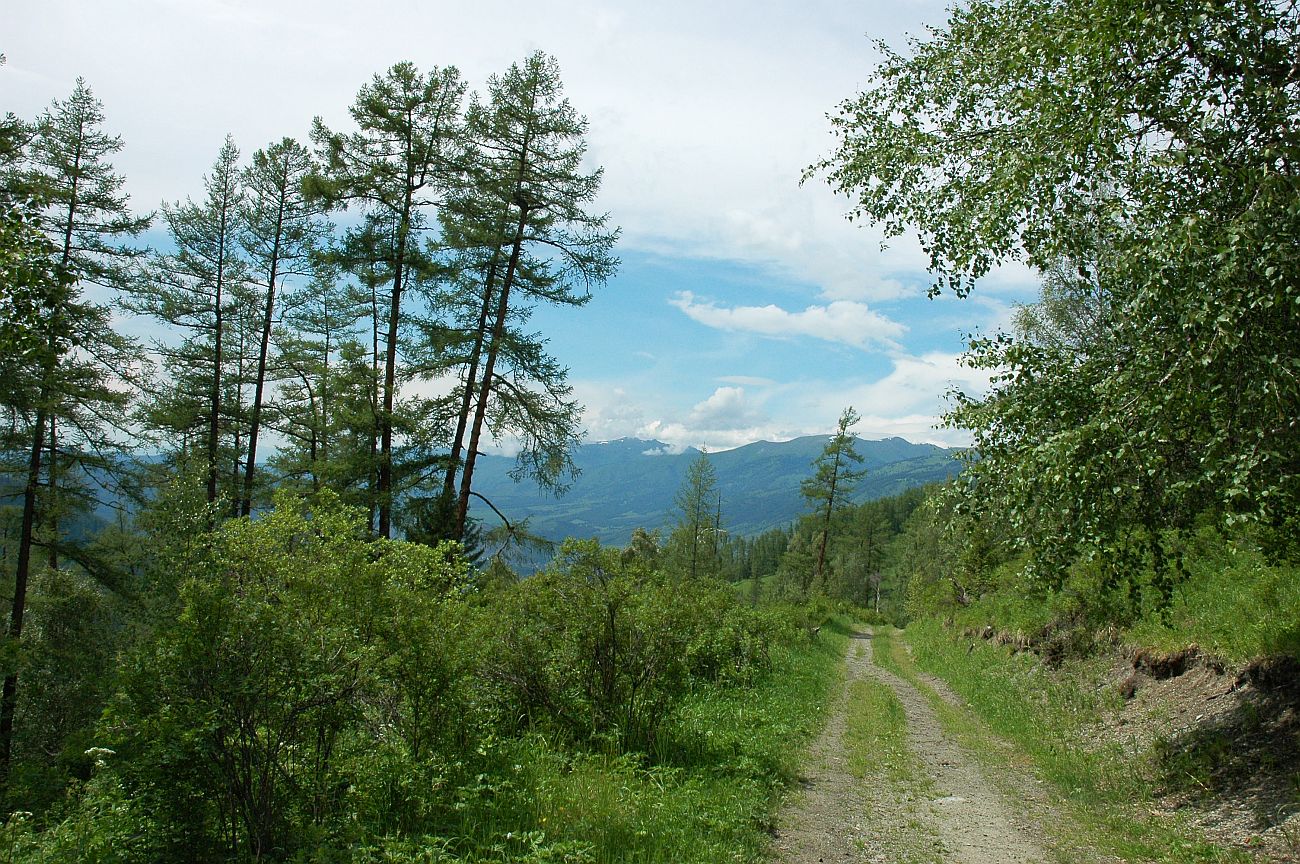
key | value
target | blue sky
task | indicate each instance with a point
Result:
(746, 307)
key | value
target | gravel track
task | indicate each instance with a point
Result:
(954, 813)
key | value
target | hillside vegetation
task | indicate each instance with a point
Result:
(324, 657)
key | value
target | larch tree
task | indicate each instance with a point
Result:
(829, 488)
(196, 289)
(320, 330)
(65, 393)
(528, 202)
(282, 229)
(693, 543)
(396, 165)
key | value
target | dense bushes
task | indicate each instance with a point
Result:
(318, 691)
(600, 646)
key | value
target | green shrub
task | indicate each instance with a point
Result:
(600, 646)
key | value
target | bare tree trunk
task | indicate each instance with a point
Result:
(385, 491)
(485, 389)
(9, 693)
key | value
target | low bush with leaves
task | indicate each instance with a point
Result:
(314, 693)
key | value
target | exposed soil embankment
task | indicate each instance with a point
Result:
(1222, 743)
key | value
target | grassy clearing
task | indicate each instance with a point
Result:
(1047, 715)
(744, 588)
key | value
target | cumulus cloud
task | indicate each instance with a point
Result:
(677, 436)
(908, 401)
(727, 409)
(843, 321)
(609, 412)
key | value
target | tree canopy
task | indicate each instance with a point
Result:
(1142, 156)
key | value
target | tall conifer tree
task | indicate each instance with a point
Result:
(529, 192)
(396, 165)
(830, 486)
(281, 230)
(64, 390)
(197, 290)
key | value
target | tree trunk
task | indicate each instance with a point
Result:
(214, 408)
(471, 378)
(385, 491)
(9, 693)
(485, 389)
(246, 502)
(826, 522)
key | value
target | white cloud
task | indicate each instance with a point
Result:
(703, 115)
(842, 321)
(726, 409)
(679, 436)
(610, 412)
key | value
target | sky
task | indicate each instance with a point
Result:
(746, 306)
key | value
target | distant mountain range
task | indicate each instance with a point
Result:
(630, 483)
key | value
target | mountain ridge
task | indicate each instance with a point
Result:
(629, 483)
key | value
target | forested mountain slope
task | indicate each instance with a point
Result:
(630, 483)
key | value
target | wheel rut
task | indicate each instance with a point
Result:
(951, 812)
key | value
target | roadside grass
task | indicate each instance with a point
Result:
(1047, 716)
(1232, 602)
(706, 794)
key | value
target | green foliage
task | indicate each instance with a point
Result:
(295, 634)
(1142, 157)
(312, 693)
(598, 646)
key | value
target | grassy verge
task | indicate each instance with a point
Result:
(707, 796)
(1047, 715)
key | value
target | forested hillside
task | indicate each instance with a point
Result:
(628, 484)
(269, 598)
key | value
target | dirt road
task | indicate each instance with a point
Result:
(947, 810)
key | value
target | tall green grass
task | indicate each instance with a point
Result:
(706, 793)
(1232, 602)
